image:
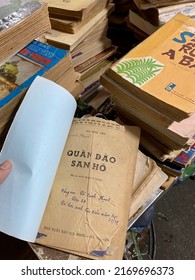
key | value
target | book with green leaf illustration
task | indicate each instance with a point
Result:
(160, 70)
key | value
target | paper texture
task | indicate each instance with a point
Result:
(87, 212)
(148, 178)
(71, 5)
(34, 144)
(71, 41)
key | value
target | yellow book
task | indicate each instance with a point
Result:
(72, 179)
(71, 41)
(72, 8)
(160, 70)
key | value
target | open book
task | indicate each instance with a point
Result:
(72, 179)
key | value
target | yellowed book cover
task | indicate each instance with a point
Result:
(68, 25)
(71, 41)
(71, 8)
(148, 178)
(88, 209)
(75, 179)
(161, 69)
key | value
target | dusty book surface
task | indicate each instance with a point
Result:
(88, 209)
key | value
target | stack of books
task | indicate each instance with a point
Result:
(18, 70)
(91, 185)
(81, 28)
(145, 17)
(152, 88)
(20, 23)
(24, 56)
(17, 74)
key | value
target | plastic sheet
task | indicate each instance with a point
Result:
(23, 11)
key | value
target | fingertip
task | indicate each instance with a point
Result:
(6, 165)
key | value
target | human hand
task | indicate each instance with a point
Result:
(5, 169)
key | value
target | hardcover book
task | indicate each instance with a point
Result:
(160, 69)
(71, 180)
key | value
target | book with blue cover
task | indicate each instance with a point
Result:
(17, 73)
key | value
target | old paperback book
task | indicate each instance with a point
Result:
(167, 61)
(146, 4)
(180, 132)
(165, 136)
(148, 182)
(136, 20)
(185, 157)
(157, 149)
(65, 24)
(72, 180)
(160, 12)
(92, 75)
(88, 193)
(92, 52)
(70, 41)
(72, 8)
(148, 178)
(95, 60)
(20, 24)
(17, 74)
(94, 43)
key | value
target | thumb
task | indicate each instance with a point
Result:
(5, 169)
